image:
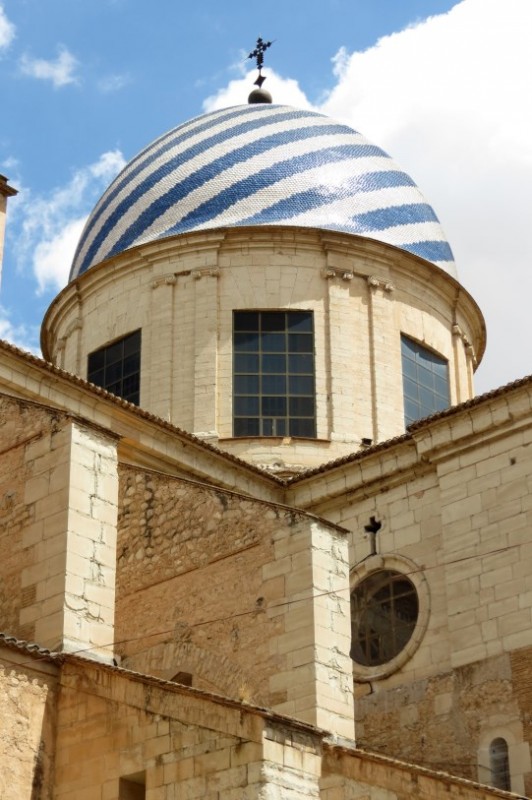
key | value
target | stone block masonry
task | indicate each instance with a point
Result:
(59, 519)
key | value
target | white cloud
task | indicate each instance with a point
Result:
(449, 98)
(60, 72)
(53, 256)
(283, 90)
(113, 83)
(51, 224)
(20, 335)
(7, 30)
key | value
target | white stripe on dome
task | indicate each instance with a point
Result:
(405, 235)
(149, 163)
(151, 148)
(252, 166)
(341, 208)
(261, 165)
(205, 157)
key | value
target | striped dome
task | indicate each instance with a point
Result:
(261, 165)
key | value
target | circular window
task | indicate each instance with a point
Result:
(384, 612)
(389, 615)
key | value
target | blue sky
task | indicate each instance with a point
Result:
(443, 86)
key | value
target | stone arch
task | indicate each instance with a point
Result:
(210, 669)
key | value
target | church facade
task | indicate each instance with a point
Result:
(259, 538)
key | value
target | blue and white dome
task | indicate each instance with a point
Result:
(261, 165)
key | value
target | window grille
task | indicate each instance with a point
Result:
(116, 367)
(425, 381)
(273, 374)
(384, 613)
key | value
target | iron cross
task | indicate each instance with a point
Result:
(258, 53)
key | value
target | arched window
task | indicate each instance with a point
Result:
(500, 764)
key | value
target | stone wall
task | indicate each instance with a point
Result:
(442, 722)
(26, 434)
(176, 742)
(58, 490)
(350, 774)
(454, 504)
(190, 576)
(77, 730)
(238, 595)
(27, 728)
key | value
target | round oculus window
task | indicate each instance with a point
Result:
(384, 613)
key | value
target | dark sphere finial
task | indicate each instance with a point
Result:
(259, 96)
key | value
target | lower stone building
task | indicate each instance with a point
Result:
(105, 732)
(224, 595)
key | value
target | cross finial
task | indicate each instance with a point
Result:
(373, 528)
(258, 54)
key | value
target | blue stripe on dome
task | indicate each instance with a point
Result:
(211, 170)
(146, 157)
(173, 139)
(390, 217)
(162, 192)
(321, 195)
(268, 177)
(434, 250)
(430, 250)
(198, 178)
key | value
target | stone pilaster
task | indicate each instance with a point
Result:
(315, 684)
(74, 492)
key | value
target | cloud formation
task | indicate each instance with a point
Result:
(283, 90)
(113, 83)
(449, 99)
(20, 335)
(7, 30)
(60, 72)
(50, 225)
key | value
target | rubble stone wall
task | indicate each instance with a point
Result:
(235, 595)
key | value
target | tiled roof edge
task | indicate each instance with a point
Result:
(415, 426)
(146, 415)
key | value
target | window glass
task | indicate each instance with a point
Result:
(425, 381)
(273, 373)
(300, 384)
(384, 613)
(500, 764)
(274, 384)
(301, 427)
(246, 321)
(301, 364)
(246, 426)
(116, 367)
(273, 363)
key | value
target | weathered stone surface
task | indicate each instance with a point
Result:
(27, 727)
